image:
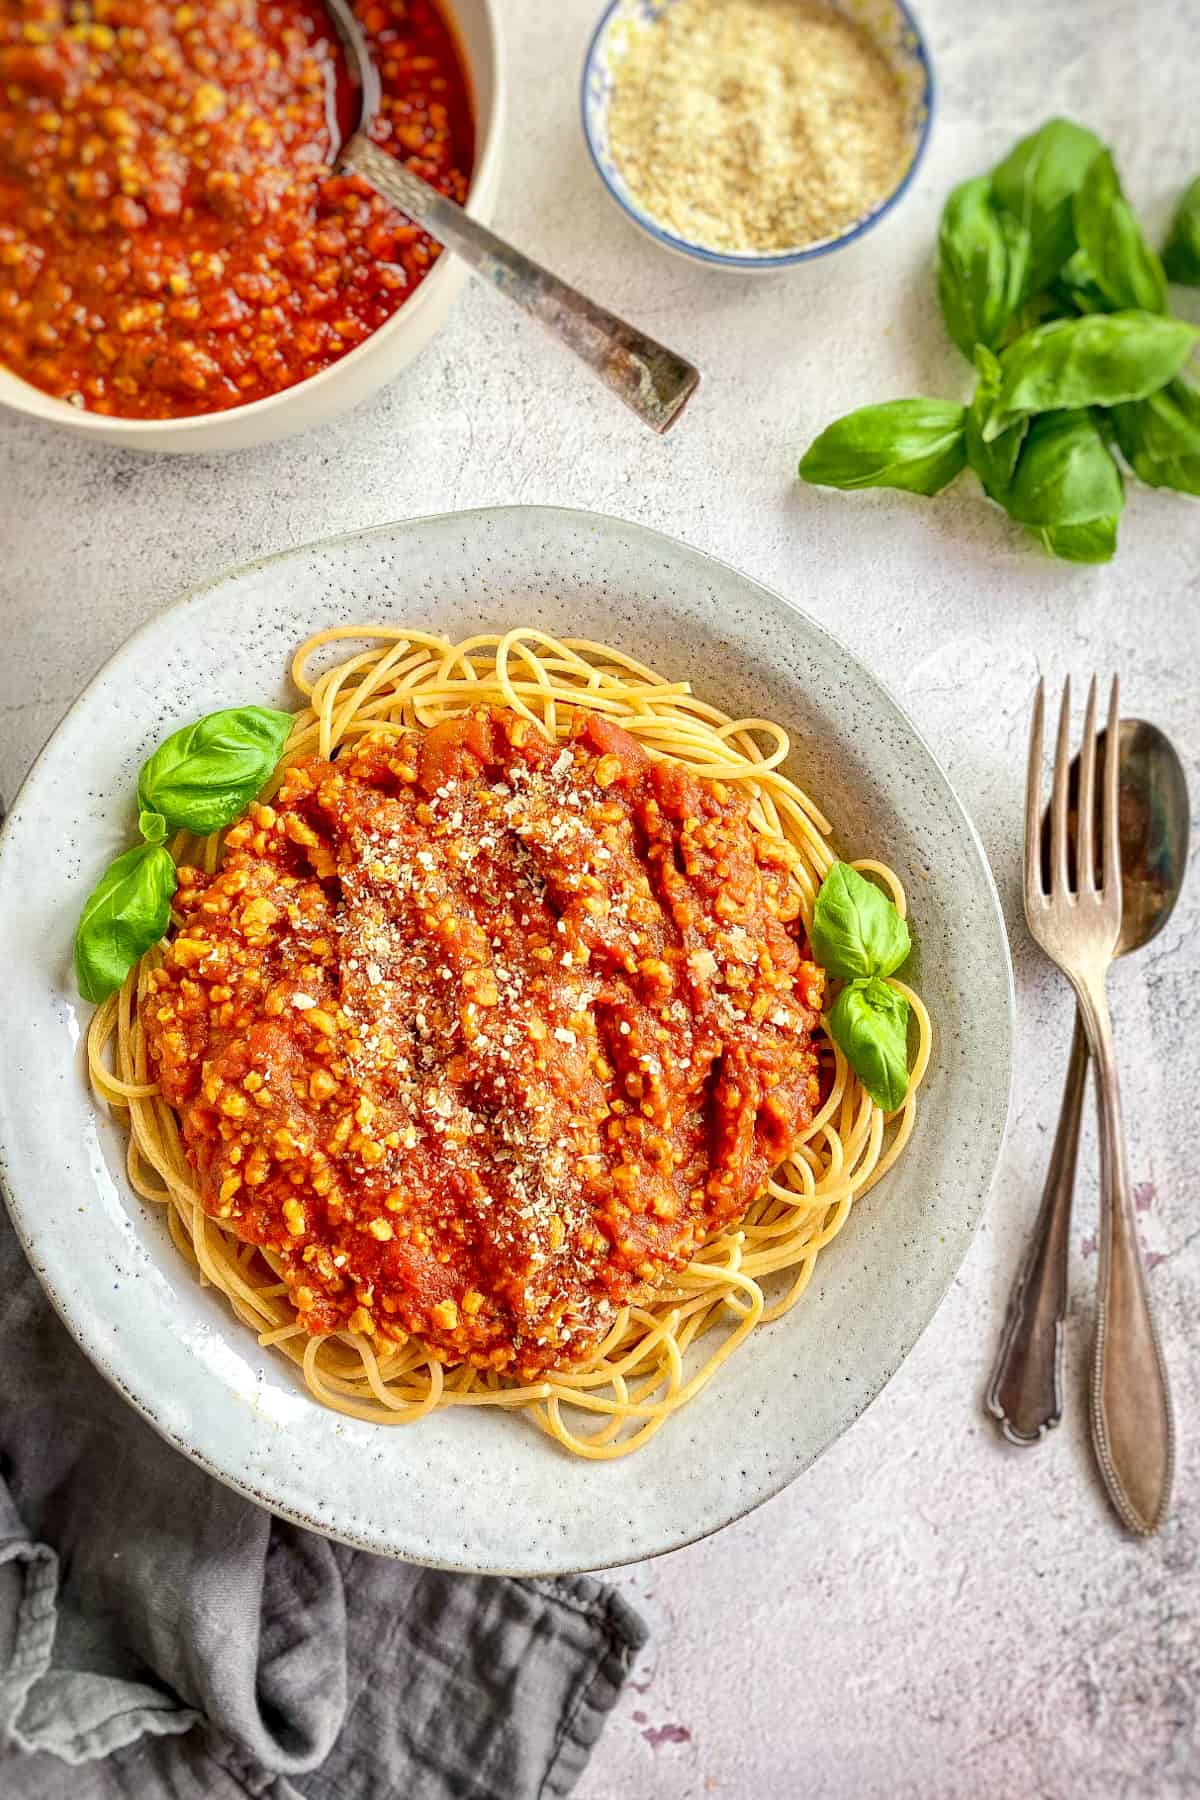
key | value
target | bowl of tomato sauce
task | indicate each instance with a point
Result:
(180, 267)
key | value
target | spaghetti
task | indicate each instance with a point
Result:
(658, 1351)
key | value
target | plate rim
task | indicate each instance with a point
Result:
(793, 1466)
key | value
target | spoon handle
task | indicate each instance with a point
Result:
(1025, 1394)
(652, 381)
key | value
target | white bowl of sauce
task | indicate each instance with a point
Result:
(153, 355)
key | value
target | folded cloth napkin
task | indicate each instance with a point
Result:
(161, 1636)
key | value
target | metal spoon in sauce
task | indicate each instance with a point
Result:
(652, 381)
(1025, 1394)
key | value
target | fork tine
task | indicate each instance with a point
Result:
(1034, 890)
(1085, 845)
(1111, 825)
(1059, 874)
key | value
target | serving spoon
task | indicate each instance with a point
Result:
(652, 381)
(1025, 1394)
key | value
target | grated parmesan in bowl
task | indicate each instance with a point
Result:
(756, 133)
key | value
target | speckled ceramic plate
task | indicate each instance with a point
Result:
(468, 1490)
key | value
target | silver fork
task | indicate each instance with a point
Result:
(1078, 928)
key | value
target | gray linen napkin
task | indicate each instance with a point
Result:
(161, 1636)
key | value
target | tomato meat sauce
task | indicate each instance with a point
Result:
(172, 239)
(482, 1035)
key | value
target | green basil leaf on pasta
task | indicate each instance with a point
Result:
(208, 773)
(983, 257)
(869, 1023)
(1036, 185)
(993, 463)
(1159, 437)
(1181, 252)
(1095, 541)
(127, 911)
(856, 930)
(916, 445)
(152, 826)
(1119, 261)
(1065, 473)
(1099, 361)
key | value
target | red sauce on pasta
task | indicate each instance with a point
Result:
(172, 241)
(482, 1035)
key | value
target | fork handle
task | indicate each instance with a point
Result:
(653, 381)
(1132, 1427)
(1025, 1394)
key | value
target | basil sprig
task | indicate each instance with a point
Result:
(127, 911)
(858, 936)
(1181, 252)
(199, 780)
(1046, 281)
(203, 776)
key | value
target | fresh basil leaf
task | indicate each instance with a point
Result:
(912, 444)
(152, 826)
(869, 1023)
(1036, 184)
(993, 463)
(856, 930)
(125, 913)
(983, 256)
(1160, 436)
(1181, 252)
(1098, 361)
(1120, 262)
(208, 773)
(1065, 474)
(1093, 542)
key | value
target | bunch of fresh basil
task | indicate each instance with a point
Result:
(1046, 282)
(858, 936)
(199, 780)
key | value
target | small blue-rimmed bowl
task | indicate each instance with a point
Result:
(890, 26)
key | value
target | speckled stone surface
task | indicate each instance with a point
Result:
(926, 1613)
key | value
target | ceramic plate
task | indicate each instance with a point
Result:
(481, 1490)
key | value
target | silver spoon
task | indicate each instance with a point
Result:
(652, 381)
(1025, 1394)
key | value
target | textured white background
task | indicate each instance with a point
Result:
(926, 1613)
